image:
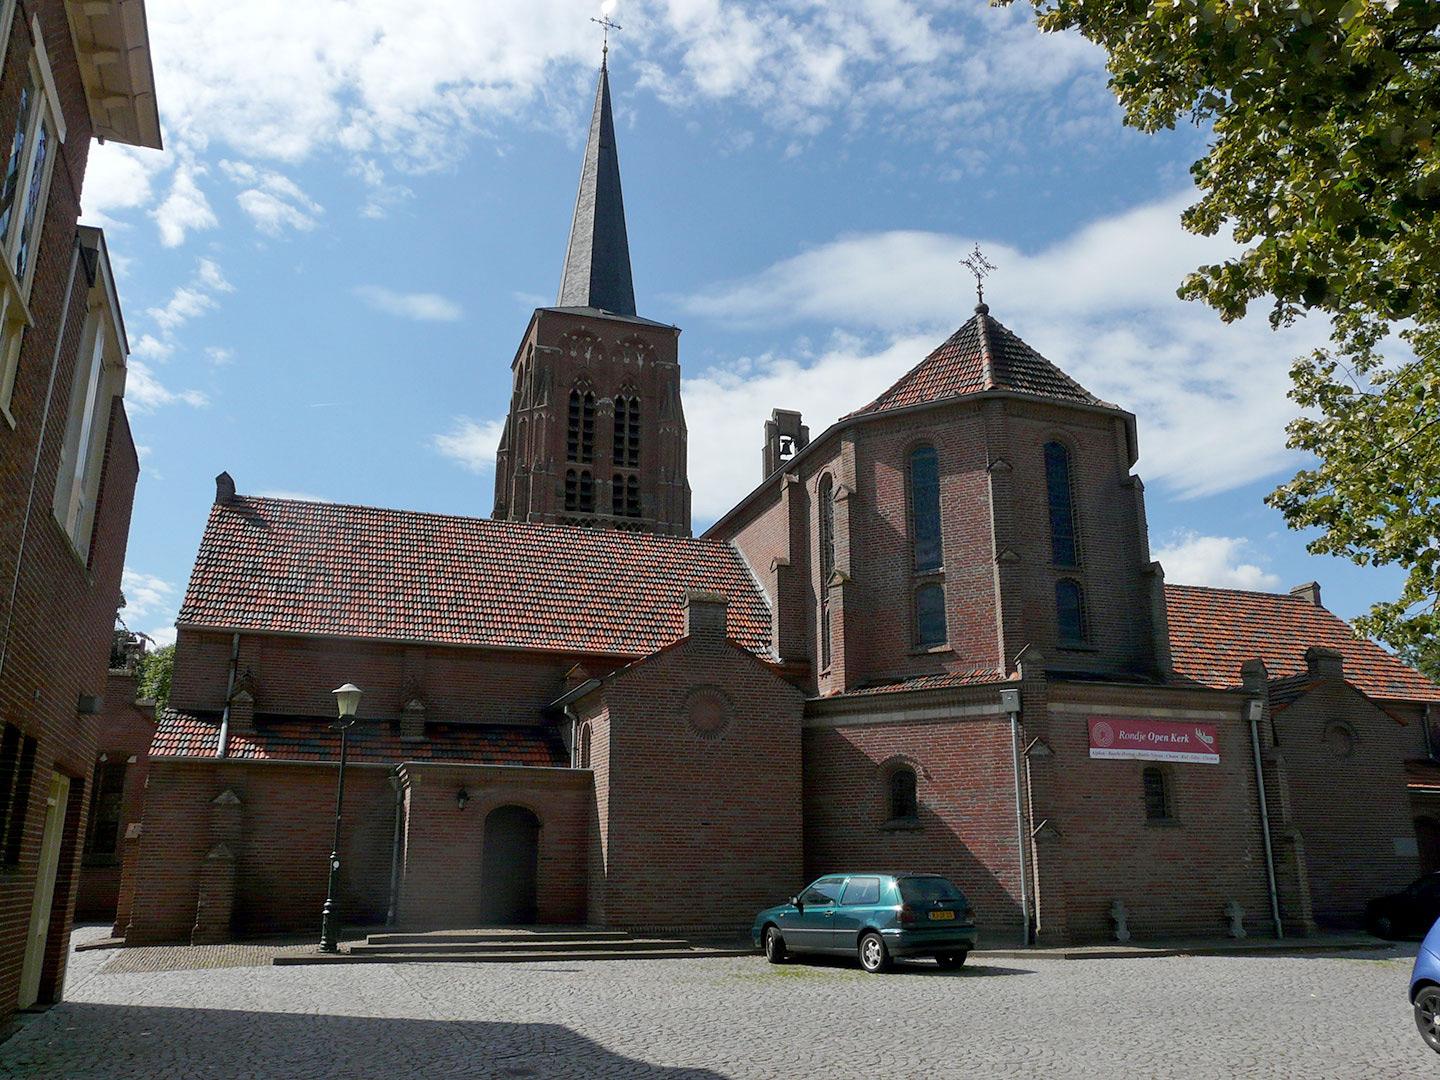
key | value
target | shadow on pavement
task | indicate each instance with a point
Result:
(80, 1041)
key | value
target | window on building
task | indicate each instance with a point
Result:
(23, 194)
(632, 496)
(625, 495)
(626, 446)
(826, 497)
(1064, 540)
(904, 802)
(17, 769)
(930, 615)
(580, 431)
(82, 454)
(103, 841)
(924, 477)
(585, 746)
(1069, 612)
(1158, 805)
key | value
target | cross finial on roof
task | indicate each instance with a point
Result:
(605, 9)
(980, 266)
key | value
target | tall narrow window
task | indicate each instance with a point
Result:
(930, 615)
(632, 496)
(580, 432)
(925, 508)
(17, 793)
(585, 747)
(77, 483)
(9, 193)
(1158, 806)
(1069, 612)
(826, 497)
(572, 429)
(105, 810)
(579, 491)
(626, 444)
(1064, 540)
(904, 804)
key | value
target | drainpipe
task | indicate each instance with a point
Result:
(1253, 708)
(574, 736)
(40, 447)
(1010, 703)
(224, 746)
(395, 847)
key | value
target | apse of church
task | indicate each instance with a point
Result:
(595, 435)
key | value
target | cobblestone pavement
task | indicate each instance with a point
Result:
(1335, 1015)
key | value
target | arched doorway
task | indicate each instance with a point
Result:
(508, 866)
(1427, 839)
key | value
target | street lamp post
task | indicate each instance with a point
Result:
(347, 700)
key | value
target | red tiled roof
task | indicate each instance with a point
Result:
(974, 677)
(286, 566)
(981, 355)
(310, 739)
(1214, 631)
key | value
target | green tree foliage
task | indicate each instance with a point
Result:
(154, 670)
(1323, 159)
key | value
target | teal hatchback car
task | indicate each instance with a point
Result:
(877, 916)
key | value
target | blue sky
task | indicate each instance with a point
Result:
(326, 273)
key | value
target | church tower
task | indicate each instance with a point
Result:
(595, 435)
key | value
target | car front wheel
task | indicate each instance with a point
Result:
(774, 946)
(1427, 1016)
(951, 960)
(874, 957)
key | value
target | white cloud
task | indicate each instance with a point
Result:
(1192, 559)
(162, 635)
(150, 347)
(290, 493)
(117, 178)
(185, 209)
(219, 356)
(470, 443)
(272, 200)
(188, 301)
(145, 393)
(424, 307)
(145, 594)
(1101, 304)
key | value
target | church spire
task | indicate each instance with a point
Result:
(597, 263)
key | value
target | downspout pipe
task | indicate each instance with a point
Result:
(40, 447)
(224, 746)
(1010, 702)
(395, 846)
(1253, 708)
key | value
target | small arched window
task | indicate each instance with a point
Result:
(632, 496)
(826, 497)
(904, 803)
(579, 491)
(924, 478)
(1158, 803)
(580, 434)
(626, 443)
(585, 746)
(1064, 539)
(930, 615)
(1069, 612)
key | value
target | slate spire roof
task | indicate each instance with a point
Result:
(597, 263)
(982, 355)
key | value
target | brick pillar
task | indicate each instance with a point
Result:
(129, 860)
(215, 907)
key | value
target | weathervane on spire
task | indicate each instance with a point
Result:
(980, 266)
(606, 9)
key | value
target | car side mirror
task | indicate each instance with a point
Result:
(795, 903)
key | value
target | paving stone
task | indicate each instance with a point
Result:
(1312, 1016)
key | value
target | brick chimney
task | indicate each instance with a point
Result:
(1309, 592)
(1325, 663)
(705, 616)
(224, 488)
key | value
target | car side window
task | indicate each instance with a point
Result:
(822, 892)
(862, 890)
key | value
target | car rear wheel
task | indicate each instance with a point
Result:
(1427, 1016)
(774, 946)
(874, 957)
(951, 959)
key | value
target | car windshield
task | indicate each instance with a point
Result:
(927, 890)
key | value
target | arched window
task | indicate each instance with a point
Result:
(587, 492)
(572, 490)
(580, 435)
(579, 491)
(626, 445)
(1069, 612)
(924, 477)
(1158, 804)
(826, 497)
(625, 495)
(1064, 539)
(585, 746)
(632, 496)
(930, 615)
(904, 804)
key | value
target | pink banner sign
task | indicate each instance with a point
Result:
(1153, 740)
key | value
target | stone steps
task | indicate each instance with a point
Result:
(507, 946)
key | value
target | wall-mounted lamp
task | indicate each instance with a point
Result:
(461, 798)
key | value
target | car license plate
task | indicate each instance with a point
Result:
(940, 916)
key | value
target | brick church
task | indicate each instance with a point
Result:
(932, 637)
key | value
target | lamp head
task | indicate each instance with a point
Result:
(347, 700)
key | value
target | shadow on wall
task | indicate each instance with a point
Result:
(74, 1041)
